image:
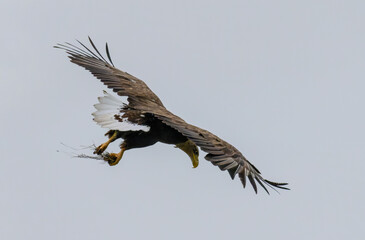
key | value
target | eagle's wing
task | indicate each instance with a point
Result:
(121, 82)
(220, 153)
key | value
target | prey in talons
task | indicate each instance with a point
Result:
(112, 137)
(112, 158)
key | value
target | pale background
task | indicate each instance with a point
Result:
(283, 81)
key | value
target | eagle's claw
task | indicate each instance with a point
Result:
(114, 158)
(111, 158)
(99, 150)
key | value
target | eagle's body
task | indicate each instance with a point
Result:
(143, 120)
(158, 132)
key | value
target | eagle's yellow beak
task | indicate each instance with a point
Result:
(191, 150)
(194, 160)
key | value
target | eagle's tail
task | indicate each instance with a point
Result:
(110, 114)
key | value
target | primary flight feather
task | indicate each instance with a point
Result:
(143, 120)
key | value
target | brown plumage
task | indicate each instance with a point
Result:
(154, 122)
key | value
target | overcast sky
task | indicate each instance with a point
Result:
(283, 81)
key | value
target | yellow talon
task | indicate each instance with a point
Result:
(99, 150)
(114, 158)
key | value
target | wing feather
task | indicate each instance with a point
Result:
(220, 153)
(121, 82)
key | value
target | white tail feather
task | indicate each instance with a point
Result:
(107, 108)
(101, 107)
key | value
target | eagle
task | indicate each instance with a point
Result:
(142, 120)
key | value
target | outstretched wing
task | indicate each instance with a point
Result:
(220, 153)
(121, 82)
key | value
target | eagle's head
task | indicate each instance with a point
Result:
(191, 150)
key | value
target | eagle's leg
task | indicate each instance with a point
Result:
(114, 158)
(99, 150)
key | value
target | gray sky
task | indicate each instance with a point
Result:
(283, 81)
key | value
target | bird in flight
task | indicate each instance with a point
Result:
(142, 120)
